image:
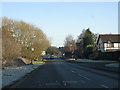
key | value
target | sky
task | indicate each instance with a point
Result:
(59, 19)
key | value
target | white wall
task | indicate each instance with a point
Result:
(101, 46)
(43, 53)
(116, 46)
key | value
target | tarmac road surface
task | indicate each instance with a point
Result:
(57, 73)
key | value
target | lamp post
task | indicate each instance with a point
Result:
(32, 49)
(71, 48)
(72, 54)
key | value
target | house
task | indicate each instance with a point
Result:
(43, 53)
(108, 42)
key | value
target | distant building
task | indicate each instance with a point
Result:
(43, 53)
(61, 51)
(108, 42)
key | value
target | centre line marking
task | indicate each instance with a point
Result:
(83, 76)
(104, 86)
(73, 71)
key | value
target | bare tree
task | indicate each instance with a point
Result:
(70, 44)
(22, 39)
(10, 47)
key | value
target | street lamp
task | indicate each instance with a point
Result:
(63, 54)
(32, 49)
(70, 46)
(71, 49)
(72, 54)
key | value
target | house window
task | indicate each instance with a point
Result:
(118, 45)
(110, 44)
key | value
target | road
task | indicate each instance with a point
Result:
(57, 73)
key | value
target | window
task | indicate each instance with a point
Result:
(119, 45)
(110, 44)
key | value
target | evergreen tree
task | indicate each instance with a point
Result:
(88, 43)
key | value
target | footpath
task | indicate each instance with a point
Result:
(106, 65)
(14, 74)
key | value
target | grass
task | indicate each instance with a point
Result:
(39, 61)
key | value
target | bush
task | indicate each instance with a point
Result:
(88, 50)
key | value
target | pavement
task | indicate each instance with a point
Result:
(116, 65)
(105, 65)
(14, 74)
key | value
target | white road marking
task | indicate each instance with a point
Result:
(71, 81)
(73, 71)
(104, 86)
(86, 78)
(83, 76)
(53, 83)
(65, 82)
